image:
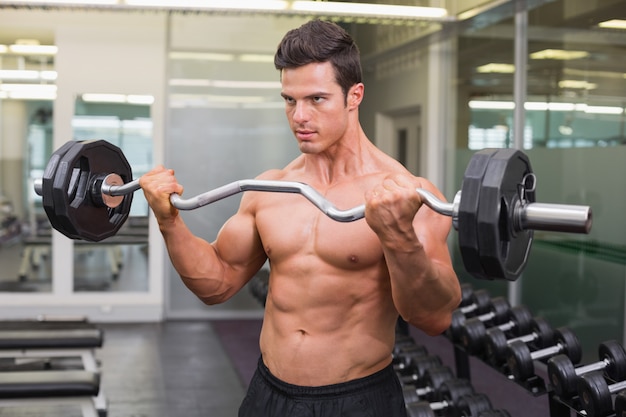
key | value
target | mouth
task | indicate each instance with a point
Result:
(303, 134)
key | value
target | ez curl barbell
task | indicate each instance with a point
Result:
(87, 190)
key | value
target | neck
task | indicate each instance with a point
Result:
(345, 159)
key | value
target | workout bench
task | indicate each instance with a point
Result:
(80, 388)
(28, 340)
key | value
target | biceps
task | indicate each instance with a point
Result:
(239, 247)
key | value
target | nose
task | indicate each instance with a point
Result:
(300, 112)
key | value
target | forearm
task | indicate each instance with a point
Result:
(425, 290)
(195, 260)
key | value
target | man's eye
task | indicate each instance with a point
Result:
(289, 100)
(318, 99)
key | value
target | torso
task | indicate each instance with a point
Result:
(329, 315)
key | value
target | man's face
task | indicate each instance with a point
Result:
(315, 106)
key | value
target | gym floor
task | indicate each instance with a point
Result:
(201, 368)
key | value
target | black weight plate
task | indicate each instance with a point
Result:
(503, 251)
(71, 190)
(520, 361)
(545, 332)
(456, 323)
(594, 395)
(472, 405)
(501, 309)
(616, 356)
(468, 211)
(451, 391)
(562, 376)
(434, 377)
(570, 342)
(473, 335)
(466, 294)
(483, 302)
(620, 404)
(523, 319)
(46, 187)
(495, 345)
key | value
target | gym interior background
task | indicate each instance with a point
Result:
(198, 93)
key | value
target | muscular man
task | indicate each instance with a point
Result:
(335, 289)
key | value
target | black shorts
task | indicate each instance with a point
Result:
(377, 395)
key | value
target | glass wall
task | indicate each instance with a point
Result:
(27, 88)
(119, 263)
(574, 134)
(226, 123)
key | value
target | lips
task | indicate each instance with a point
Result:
(304, 134)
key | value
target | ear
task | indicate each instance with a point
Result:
(355, 95)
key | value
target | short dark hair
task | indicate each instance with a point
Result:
(321, 41)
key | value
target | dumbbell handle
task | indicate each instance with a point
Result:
(535, 216)
(548, 351)
(526, 338)
(595, 366)
(617, 387)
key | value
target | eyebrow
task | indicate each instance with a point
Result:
(308, 96)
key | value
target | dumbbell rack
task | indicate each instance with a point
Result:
(534, 385)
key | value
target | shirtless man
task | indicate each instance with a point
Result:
(335, 289)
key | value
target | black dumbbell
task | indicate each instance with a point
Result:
(467, 406)
(474, 302)
(595, 394)
(429, 385)
(467, 292)
(563, 375)
(418, 367)
(474, 331)
(496, 343)
(404, 359)
(620, 404)
(520, 359)
(497, 312)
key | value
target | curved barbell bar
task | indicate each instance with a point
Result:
(526, 216)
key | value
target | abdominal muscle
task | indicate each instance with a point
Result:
(327, 328)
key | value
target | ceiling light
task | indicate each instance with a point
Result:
(65, 2)
(577, 84)
(491, 105)
(366, 9)
(496, 68)
(4, 49)
(28, 49)
(256, 58)
(201, 82)
(559, 54)
(202, 56)
(28, 91)
(117, 98)
(284, 7)
(28, 75)
(613, 24)
(544, 106)
(213, 5)
(139, 99)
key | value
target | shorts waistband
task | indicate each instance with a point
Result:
(334, 390)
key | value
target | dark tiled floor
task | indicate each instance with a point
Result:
(167, 369)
